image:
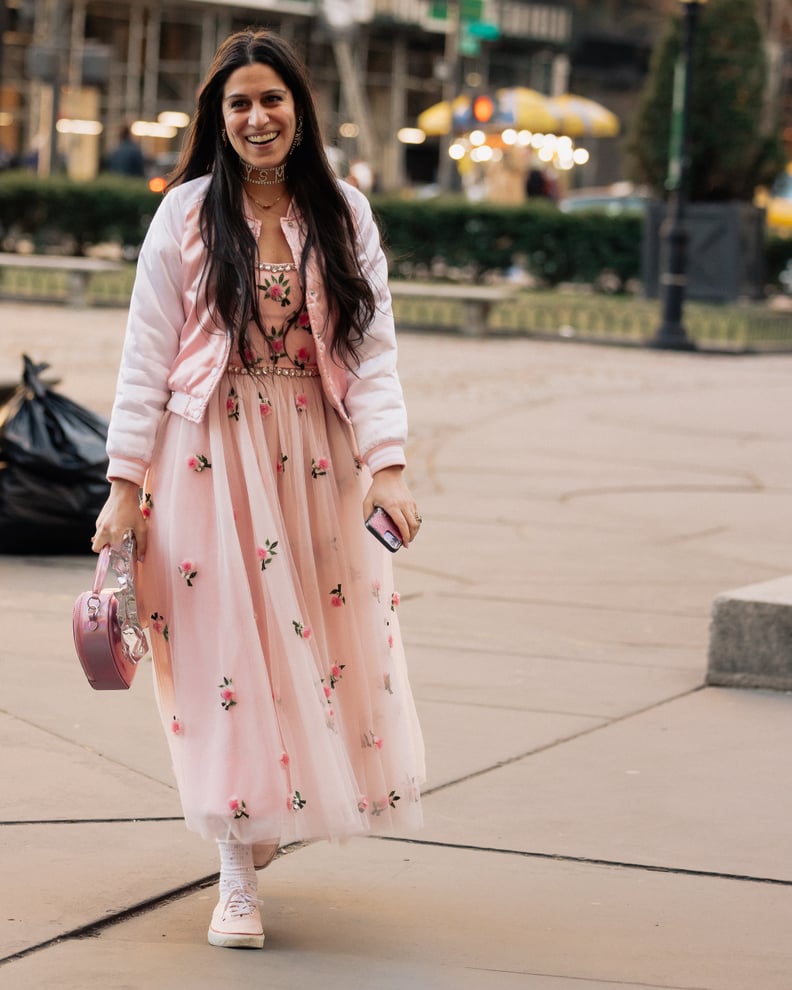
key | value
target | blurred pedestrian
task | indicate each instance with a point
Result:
(126, 158)
(258, 420)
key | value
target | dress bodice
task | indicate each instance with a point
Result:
(287, 340)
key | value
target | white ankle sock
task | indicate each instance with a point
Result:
(236, 867)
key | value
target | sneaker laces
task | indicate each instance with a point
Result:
(240, 902)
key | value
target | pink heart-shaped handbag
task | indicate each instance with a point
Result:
(107, 633)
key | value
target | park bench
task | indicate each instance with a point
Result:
(476, 300)
(79, 271)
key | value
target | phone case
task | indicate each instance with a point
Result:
(385, 529)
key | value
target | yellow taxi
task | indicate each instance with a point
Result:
(777, 202)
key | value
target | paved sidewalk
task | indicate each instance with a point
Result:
(595, 818)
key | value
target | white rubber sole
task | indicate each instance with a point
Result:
(235, 940)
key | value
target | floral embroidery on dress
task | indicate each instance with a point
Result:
(302, 631)
(336, 597)
(227, 693)
(265, 406)
(301, 357)
(188, 571)
(319, 466)
(362, 803)
(370, 741)
(176, 726)
(301, 400)
(237, 807)
(278, 289)
(395, 601)
(295, 801)
(146, 505)
(280, 466)
(266, 553)
(384, 803)
(160, 625)
(284, 760)
(232, 404)
(336, 673)
(198, 462)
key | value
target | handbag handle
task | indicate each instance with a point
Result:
(122, 559)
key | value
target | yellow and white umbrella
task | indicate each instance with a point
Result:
(527, 109)
(580, 117)
(516, 106)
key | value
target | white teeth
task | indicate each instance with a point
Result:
(262, 139)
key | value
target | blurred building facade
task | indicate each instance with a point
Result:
(74, 67)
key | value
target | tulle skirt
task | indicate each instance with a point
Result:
(281, 678)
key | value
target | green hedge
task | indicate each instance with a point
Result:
(435, 238)
(58, 212)
(484, 238)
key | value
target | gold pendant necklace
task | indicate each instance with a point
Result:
(267, 206)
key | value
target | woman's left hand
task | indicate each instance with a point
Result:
(389, 490)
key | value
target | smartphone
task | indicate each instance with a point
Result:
(384, 528)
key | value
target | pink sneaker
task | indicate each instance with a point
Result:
(236, 922)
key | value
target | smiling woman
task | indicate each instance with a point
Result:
(259, 420)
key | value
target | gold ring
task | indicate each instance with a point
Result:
(418, 518)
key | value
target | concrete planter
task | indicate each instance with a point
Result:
(725, 253)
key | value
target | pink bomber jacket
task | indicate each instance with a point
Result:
(174, 356)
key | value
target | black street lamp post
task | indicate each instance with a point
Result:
(671, 333)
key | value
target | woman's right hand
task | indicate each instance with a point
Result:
(120, 513)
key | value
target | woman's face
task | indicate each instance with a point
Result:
(259, 115)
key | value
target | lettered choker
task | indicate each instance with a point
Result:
(262, 176)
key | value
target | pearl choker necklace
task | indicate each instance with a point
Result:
(263, 176)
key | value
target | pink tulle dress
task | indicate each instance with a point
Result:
(280, 673)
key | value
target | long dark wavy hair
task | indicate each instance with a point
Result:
(229, 281)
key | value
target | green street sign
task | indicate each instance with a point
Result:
(483, 30)
(469, 10)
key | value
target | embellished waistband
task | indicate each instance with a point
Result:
(272, 369)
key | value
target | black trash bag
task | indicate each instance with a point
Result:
(52, 470)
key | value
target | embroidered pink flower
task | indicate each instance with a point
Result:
(232, 405)
(301, 400)
(176, 726)
(362, 804)
(327, 691)
(237, 807)
(371, 741)
(265, 406)
(280, 466)
(390, 641)
(267, 552)
(301, 357)
(275, 291)
(159, 625)
(295, 801)
(146, 505)
(395, 601)
(284, 760)
(276, 346)
(302, 631)
(188, 571)
(227, 693)
(198, 462)
(335, 671)
(337, 597)
(304, 320)
(319, 466)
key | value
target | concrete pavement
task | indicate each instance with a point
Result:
(595, 817)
